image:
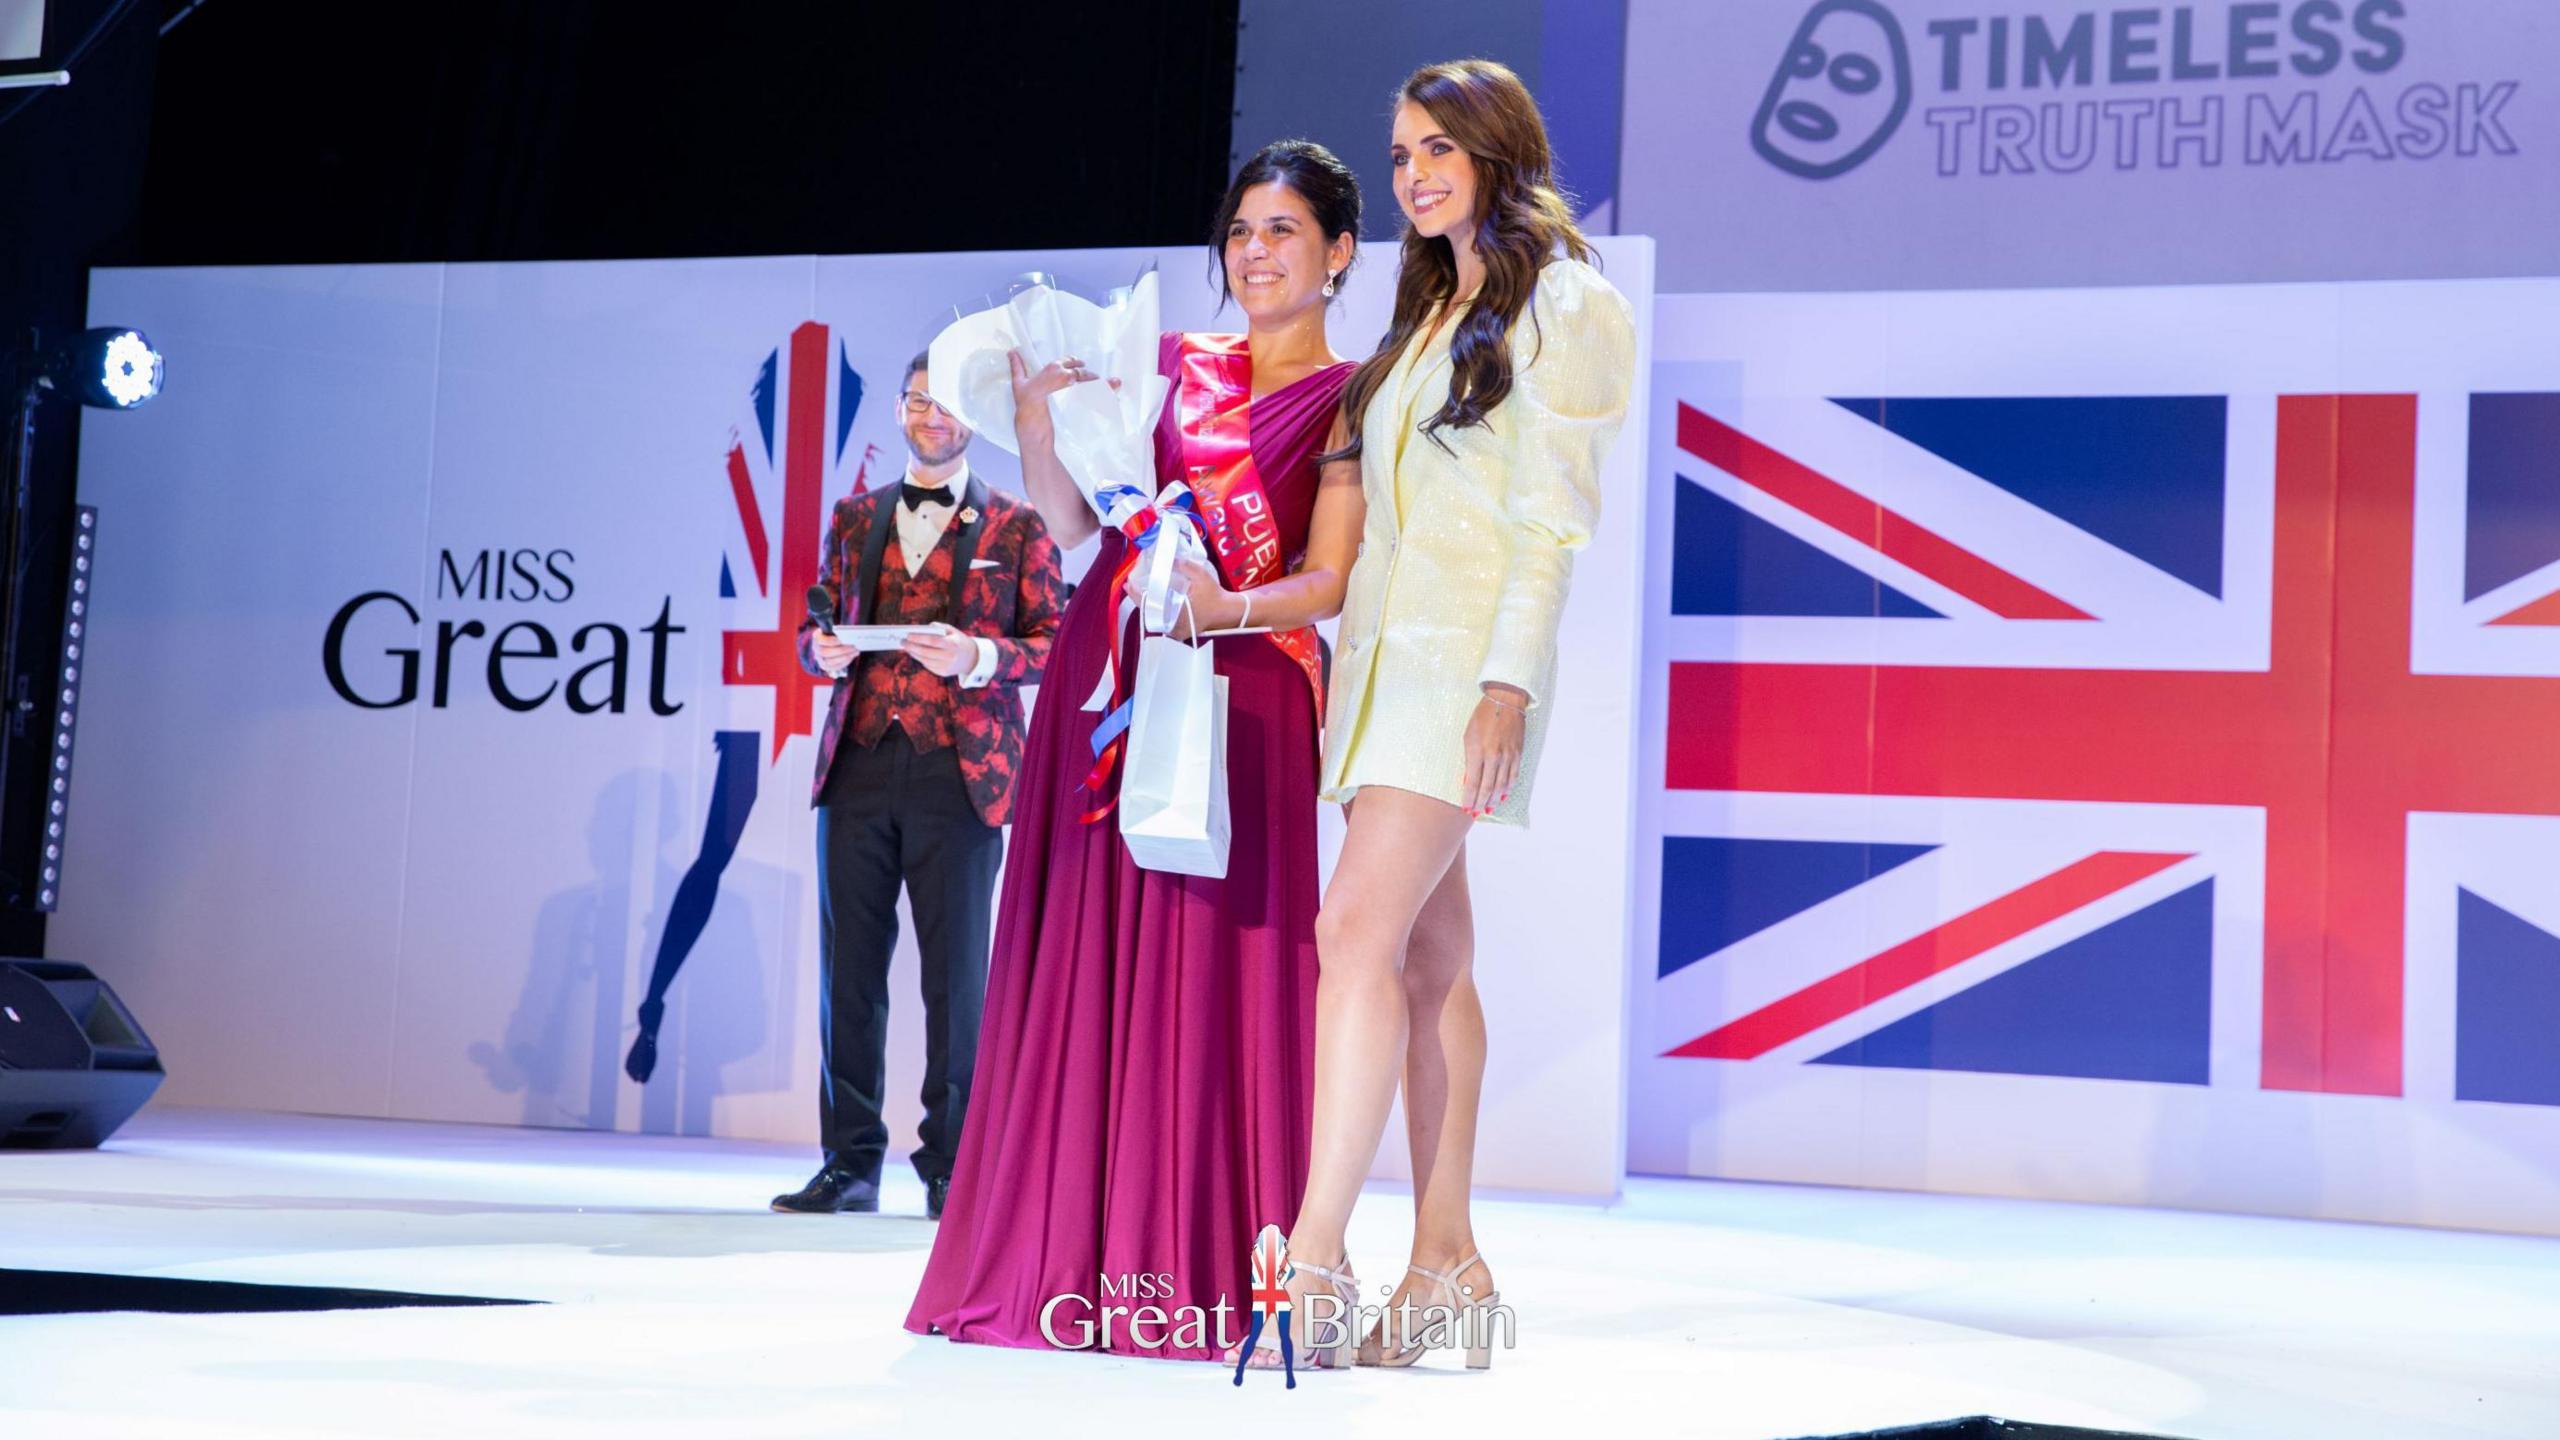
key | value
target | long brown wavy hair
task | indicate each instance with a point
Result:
(1521, 219)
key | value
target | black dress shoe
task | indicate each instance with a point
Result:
(935, 1192)
(833, 1190)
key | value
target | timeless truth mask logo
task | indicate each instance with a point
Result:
(1840, 91)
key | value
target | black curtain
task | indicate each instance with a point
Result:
(305, 131)
(291, 131)
(71, 166)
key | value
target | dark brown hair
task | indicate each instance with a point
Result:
(1521, 218)
(1306, 169)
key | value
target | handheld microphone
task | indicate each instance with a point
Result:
(822, 609)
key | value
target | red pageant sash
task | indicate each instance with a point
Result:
(1213, 400)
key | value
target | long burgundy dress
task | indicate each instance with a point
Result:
(1145, 1067)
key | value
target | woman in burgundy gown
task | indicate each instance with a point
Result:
(1144, 1079)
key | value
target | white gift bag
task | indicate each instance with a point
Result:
(1173, 786)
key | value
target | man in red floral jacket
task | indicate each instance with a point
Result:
(915, 780)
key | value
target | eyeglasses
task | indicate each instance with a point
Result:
(916, 402)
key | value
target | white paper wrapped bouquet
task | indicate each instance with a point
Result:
(1105, 427)
(1105, 431)
(1172, 810)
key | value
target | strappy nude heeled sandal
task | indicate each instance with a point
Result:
(1469, 1318)
(1341, 1355)
(1346, 1288)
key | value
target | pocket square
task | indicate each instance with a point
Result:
(984, 564)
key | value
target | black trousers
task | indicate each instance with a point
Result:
(890, 816)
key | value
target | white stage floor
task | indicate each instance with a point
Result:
(680, 1306)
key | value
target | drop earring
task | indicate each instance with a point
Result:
(1328, 283)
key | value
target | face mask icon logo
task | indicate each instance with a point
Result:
(1839, 93)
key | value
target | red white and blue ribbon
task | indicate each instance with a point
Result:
(1160, 530)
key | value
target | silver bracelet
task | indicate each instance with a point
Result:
(1505, 704)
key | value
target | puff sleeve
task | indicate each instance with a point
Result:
(1574, 364)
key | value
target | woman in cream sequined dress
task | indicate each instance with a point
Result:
(1481, 423)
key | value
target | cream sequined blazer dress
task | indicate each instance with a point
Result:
(1466, 552)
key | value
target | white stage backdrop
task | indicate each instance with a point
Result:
(2100, 744)
(432, 601)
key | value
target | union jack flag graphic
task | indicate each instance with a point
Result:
(2199, 734)
(804, 401)
(1270, 1267)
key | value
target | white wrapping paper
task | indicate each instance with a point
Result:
(1173, 786)
(1105, 430)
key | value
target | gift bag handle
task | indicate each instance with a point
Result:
(1185, 606)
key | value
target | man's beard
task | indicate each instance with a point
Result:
(944, 456)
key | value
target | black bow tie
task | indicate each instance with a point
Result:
(917, 497)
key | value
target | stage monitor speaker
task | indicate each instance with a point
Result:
(74, 1065)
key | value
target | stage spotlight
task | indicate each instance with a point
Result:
(110, 368)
